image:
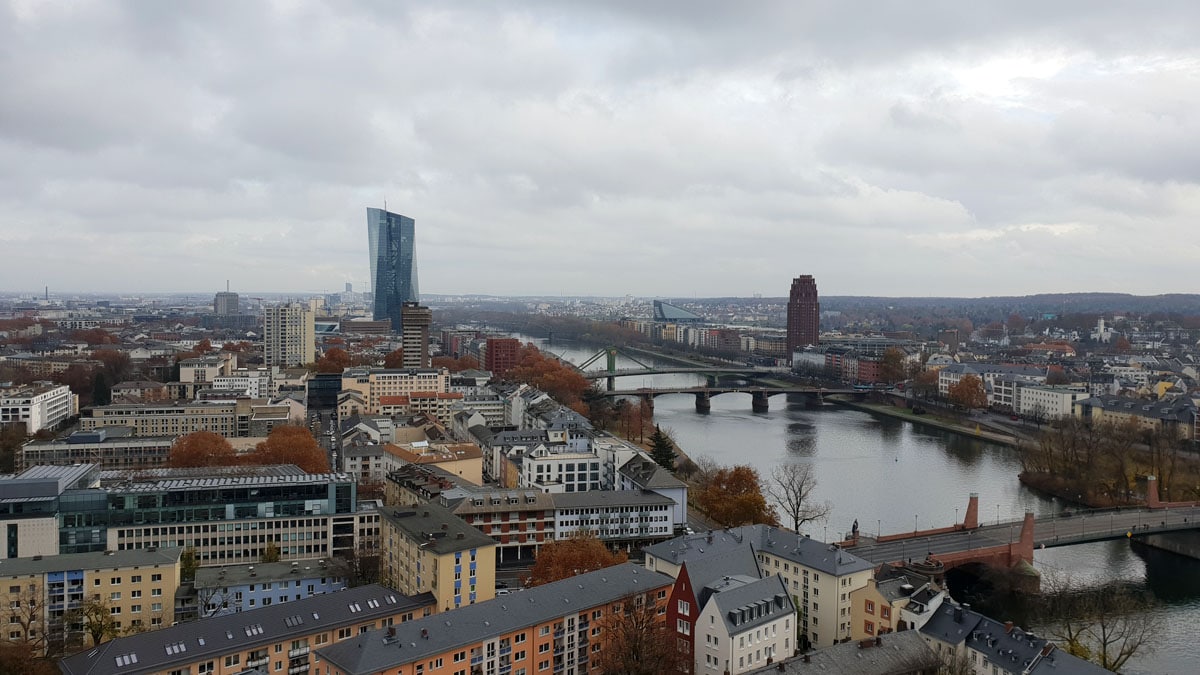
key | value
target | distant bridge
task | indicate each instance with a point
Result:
(670, 370)
(759, 396)
(1004, 544)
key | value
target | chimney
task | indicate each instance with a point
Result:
(878, 641)
(958, 614)
(1008, 626)
(807, 659)
(1047, 648)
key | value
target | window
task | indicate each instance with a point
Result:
(683, 627)
(869, 627)
(885, 612)
(870, 607)
(685, 607)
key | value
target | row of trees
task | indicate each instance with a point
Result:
(284, 445)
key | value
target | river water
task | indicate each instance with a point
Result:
(893, 475)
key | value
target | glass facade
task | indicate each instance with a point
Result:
(392, 243)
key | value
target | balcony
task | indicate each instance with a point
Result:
(476, 660)
(504, 651)
(299, 651)
(297, 670)
(261, 661)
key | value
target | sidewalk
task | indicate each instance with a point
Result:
(974, 431)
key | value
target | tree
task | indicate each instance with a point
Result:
(1056, 376)
(1122, 344)
(202, 448)
(925, 383)
(581, 552)
(204, 346)
(291, 444)
(1106, 625)
(394, 358)
(791, 487)
(968, 392)
(734, 497)
(637, 640)
(101, 388)
(96, 619)
(892, 369)
(455, 365)
(333, 361)
(27, 616)
(12, 437)
(116, 363)
(189, 562)
(662, 449)
(21, 659)
(270, 553)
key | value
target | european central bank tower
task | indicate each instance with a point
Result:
(393, 247)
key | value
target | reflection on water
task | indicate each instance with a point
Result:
(893, 476)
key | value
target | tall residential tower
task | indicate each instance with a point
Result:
(289, 335)
(803, 314)
(392, 239)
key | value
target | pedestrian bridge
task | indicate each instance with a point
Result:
(759, 396)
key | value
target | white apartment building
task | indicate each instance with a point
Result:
(614, 515)
(559, 472)
(746, 623)
(1048, 403)
(41, 405)
(376, 383)
(289, 335)
(252, 382)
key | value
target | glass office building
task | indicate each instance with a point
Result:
(393, 264)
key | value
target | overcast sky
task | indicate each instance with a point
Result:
(682, 149)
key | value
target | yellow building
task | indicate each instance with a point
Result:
(893, 600)
(1176, 416)
(376, 383)
(42, 593)
(427, 548)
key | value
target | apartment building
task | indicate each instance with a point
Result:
(274, 639)
(746, 622)
(819, 577)
(109, 447)
(29, 512)
(633, 516)
(1047, 403)
(229, 589)
(375, 383)
(138, 587)
(41, 405)
(558, 627)
(243, 417)
(427, 548)
(289, 335)
(893, 600)
(1176, 416)
(204, 369)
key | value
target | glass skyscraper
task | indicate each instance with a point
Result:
(393, 247)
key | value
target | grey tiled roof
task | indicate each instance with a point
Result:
(901, 653)
(473, 624)
(243, 631)
(776, 541)
(145, 557)
(745, 603)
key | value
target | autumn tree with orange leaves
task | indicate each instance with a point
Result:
(202, 448)
(562, 382)
(456, 365)
(581, 552)
(733, 496)
(394, 358)
(291, 445)
(333, 361)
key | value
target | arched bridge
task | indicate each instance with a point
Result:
(671, 370)
(759, 396)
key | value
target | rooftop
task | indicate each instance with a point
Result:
(786, 544)
(147, 557)
(259, 573)
(891, 654)
(438, 530)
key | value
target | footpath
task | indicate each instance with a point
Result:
(973, 430)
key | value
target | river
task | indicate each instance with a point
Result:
(893, 476)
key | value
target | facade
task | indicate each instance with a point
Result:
(375, 383)
(232, 419)
(894, 600)
(252, 382)
(237, 588)
(501, 355)
(555, 628)
(414, 334)
(41, 405)
(137, 586)
(289, 335)
(427, 548)
(109, 447)
(803, 314)
(1175, 417)
(203, 369)
(1047, 403)
(276, 639)
(627, 516)
(392, 243)
(746, 622)
(226, 304)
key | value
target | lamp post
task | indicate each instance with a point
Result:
(956, 516)
(878, 528)
(914, 522)
(997, 514)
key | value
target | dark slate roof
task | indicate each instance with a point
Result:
(445, 532)
(162, 650)
(648, 475)
(375, 652)
(1059, 662)
(144, 557)
(1180, 408)
(745, 603)
(705, 571)
(608, 498)
(785, 544)
(901, 653)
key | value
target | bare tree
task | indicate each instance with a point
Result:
(1104, 624)
(96, 620)
(636, 641)
(791, 487)
(29, 616)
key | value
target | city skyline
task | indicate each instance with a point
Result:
(602, 150)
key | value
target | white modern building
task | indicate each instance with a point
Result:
(746, 623)
(41, 405)
(289, 335)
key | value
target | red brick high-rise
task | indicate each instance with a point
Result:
(501, 355)
(803, 314)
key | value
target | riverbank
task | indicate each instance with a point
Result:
(928, 419)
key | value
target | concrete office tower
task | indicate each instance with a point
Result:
(392, 242)
(226, 304)
(803, 314)
(414, 336)
(289, 335)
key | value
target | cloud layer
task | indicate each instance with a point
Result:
(693, 149)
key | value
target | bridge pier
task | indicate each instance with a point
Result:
(760, 402)
(703, 402)
(612, 383)
(710, 380)
(648, 401)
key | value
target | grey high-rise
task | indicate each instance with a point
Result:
(393, 247)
